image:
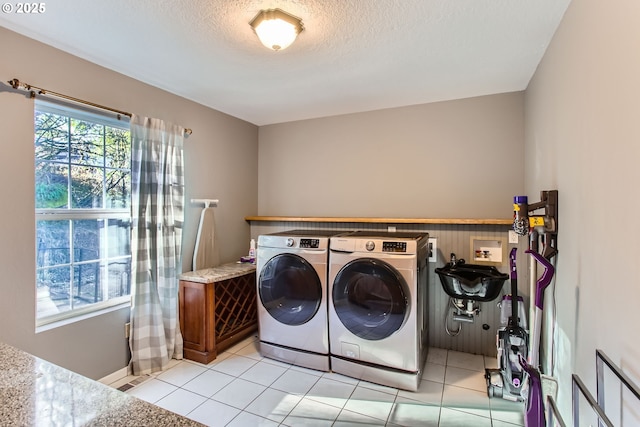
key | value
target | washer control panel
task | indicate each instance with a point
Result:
(394, 246)
(310, 243)
(373, 244)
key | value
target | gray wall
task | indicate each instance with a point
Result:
(582, 137)
(454, 159)
(220, 162)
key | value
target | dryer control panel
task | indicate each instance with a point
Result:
(394, 246)
(310, 243)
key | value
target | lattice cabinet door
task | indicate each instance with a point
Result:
(235, 310)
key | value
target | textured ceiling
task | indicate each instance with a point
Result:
(353, 56)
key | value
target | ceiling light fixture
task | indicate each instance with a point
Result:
(276, 28)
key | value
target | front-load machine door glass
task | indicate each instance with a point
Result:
(370, 298)
(290, 289)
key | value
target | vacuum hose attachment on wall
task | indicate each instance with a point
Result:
(525, 220)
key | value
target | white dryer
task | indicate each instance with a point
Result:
(378, 292)
(291, 275)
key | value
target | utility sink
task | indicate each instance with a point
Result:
(471, 281)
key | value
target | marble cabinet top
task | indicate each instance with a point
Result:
(34, 392)
(220, 273)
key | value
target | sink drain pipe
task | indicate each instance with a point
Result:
(461, 311)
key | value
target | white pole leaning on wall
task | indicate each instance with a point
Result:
(206, 202)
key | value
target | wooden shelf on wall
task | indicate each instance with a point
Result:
(364, 220)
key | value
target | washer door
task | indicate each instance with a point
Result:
(290, 289)
(370, 298)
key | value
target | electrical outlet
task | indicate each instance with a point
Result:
(391, 229)
(127, 330)
(513, 237)
(433, 249)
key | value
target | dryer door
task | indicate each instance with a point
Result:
(370, 298)
(290, 289)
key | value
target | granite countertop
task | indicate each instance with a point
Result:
(34, 392)
(220, 273)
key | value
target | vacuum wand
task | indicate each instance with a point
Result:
(514, 289)
(543, 282)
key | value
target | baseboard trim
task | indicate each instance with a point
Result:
(117, 375)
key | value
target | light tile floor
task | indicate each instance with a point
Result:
(241, 388)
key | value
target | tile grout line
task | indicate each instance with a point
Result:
(290, 367)
(269, 388)
(243, 410)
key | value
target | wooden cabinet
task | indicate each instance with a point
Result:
(217, 309)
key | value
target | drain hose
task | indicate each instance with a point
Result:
(450, 306)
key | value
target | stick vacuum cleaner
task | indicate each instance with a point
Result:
(534, 412)
(506, 381)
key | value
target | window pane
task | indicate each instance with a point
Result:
(118, 148)
(87, 235)
(119, 277)
(118, 189)
(53, 246)
(86, 289)
(53, 290)
(87, 143)
(52, 137)
(119, 237)
(51, 185)
(86, 187)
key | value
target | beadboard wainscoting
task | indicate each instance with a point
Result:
(450, 237)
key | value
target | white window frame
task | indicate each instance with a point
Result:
(70, 214)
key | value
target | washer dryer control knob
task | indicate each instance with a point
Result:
(290, 242)
(370, 245)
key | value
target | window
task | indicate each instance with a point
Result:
(83, 219)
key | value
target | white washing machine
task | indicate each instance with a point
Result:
(291, 275)
(378, 307)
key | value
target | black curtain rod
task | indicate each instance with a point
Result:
(16, 84)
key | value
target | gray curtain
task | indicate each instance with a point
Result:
(157, 187)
